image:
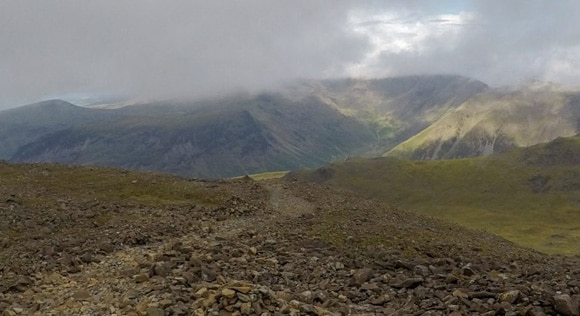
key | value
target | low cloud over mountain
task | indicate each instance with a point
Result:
(200, 48)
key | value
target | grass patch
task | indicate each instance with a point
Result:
(269, 175)
(534, 205)
(42, 185)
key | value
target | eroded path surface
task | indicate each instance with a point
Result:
(287, 248)
(285, 202)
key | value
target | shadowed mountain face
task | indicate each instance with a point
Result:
(307, 125)
(495, 121)
(153, 144)
(26, 124)
(257, 134)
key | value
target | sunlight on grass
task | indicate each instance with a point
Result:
(267, 175)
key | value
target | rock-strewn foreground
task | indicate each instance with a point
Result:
(97, 241)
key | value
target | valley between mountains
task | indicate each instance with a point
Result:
(306, 124)
(132, 243)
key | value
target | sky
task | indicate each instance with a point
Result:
(195, 48)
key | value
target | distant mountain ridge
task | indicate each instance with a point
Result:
(25, 124)
(262, 133)
(307, 125)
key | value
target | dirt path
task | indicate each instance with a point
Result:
(285, 203)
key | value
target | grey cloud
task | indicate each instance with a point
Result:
(195, 47)
(507, 43)
(168, 48)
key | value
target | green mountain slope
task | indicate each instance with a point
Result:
(530, 196)
(495, 121)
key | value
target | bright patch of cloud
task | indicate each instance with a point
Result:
(400, 33)
(563, 66)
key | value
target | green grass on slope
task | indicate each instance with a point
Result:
(39, 184)
(264, 175)
(532, 206)
(268, 175)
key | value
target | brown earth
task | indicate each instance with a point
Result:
(253, 248)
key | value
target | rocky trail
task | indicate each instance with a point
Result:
(266, 248)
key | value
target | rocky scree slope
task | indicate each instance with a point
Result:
(116, 242)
